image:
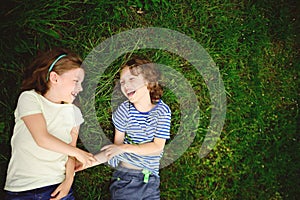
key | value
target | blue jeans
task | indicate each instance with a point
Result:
(43, 193)
(129, 185)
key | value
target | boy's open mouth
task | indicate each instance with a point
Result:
(130, 94)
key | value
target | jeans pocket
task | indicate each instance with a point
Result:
(121, 189)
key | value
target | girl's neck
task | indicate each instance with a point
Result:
(50, 97)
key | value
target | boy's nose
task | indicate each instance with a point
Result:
(126, 85)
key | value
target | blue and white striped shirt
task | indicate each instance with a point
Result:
(141, 127)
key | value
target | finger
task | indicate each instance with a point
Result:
(110, 156)
(93, 159)
(90, 154)
(88, 163)
(55, 192)
(84, 166)
(78, 169)
(105, 147)
(58, 197)
(78, 165)
(107, 154)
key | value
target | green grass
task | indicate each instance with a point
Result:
(254, 44)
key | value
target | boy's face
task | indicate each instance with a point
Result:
(133, 87)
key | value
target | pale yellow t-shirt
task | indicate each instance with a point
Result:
(32, 166)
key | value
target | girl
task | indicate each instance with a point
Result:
(142, 126)
(46, 129)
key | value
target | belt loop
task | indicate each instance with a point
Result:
(146, 173)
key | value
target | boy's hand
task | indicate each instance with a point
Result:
(112, 150)
(101, 157)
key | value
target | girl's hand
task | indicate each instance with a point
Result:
(85, 158)
(100, 158)
(112, 150)
(62, 190)
(78, 166)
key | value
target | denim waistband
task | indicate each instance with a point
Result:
(142, 174)
(38, 190)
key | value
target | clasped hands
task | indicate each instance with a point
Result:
(106, 153)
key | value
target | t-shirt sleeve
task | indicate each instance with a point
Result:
(28, 104)
(120, 117)
(163, 125)
(78, 116)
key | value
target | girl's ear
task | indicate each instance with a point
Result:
(53, 76)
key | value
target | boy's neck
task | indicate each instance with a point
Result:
(144, 107)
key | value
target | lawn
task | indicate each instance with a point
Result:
(255, 48)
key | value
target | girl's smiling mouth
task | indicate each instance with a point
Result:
(74, 94)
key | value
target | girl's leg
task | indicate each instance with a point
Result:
(35, 194)
(19, 195)
(45, 193)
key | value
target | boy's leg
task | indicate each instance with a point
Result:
(152, 191)
(131, 186)
(123, 187)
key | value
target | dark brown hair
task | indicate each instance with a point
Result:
(35, 75)
(149, 72)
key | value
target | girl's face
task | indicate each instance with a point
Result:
(69, 84)
(133, 87)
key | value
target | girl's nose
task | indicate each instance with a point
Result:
(80, 88)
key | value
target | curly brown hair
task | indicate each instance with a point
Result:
(149, 72)
(35, 75)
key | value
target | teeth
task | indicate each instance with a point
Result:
(74, 94)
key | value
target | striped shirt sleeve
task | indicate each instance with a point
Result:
(164, 123)
(120, 117)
